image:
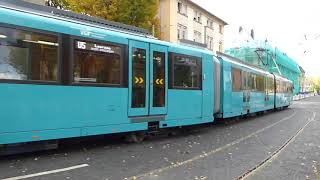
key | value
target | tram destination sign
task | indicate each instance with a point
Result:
(95, 47)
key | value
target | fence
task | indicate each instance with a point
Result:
(303, 96)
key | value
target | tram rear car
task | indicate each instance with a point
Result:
(248, 89)
(284, 92)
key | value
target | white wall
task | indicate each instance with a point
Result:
(195, 26)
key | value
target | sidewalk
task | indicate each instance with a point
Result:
(303, 96)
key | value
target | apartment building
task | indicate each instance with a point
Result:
(185, 22)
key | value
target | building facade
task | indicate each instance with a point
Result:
(305, 82)
(185, 22)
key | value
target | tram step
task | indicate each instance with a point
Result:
(153, 127)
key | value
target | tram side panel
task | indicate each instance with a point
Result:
(231, 96)
(208, 87)
(270, 92)
(260, 100)
(36, 112)
(244, 89)
(284, 92)
(190, 96)
(217, 86)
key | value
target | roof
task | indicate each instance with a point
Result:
(302, 70)
(207, 11)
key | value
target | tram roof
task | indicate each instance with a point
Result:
(239, 62)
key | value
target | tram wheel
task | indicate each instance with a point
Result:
(135, 137)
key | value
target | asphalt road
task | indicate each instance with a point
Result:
(277, 145)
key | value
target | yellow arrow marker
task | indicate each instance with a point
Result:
(157, 81)
(136, 80)
(161, 81)
(141, 80)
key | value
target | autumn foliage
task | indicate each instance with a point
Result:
(315, 82)
(139, 13)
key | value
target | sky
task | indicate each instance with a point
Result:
(291, 25)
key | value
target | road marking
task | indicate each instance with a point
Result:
(47, 172)
(274, 155)
(204, 155)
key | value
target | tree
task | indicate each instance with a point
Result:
(315, 82)
(61, 4)
(139, 13)
(106, 9)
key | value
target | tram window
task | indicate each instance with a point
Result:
(159, 87)
(283, 87)
(249, 80)
(289, 88)
(96, 63)
(236, 79)
(26, 55)
(253, 82)
(186, 72)
(260, 83)
(244, 80)
(270, 85)
(278, 86)
(139, 60)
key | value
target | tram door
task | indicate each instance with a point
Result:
(246, 80)
(148, 79)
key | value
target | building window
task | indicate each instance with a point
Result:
(210, 24)
(185, 72)
(210, 42)
(96, 63)
(220, 29)
(236, 79)
(182, 32)
(220, 46)
(182, 8)
(197, 16)
(197, 37)
(26, 55)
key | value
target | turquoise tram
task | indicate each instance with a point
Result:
(65, 75)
